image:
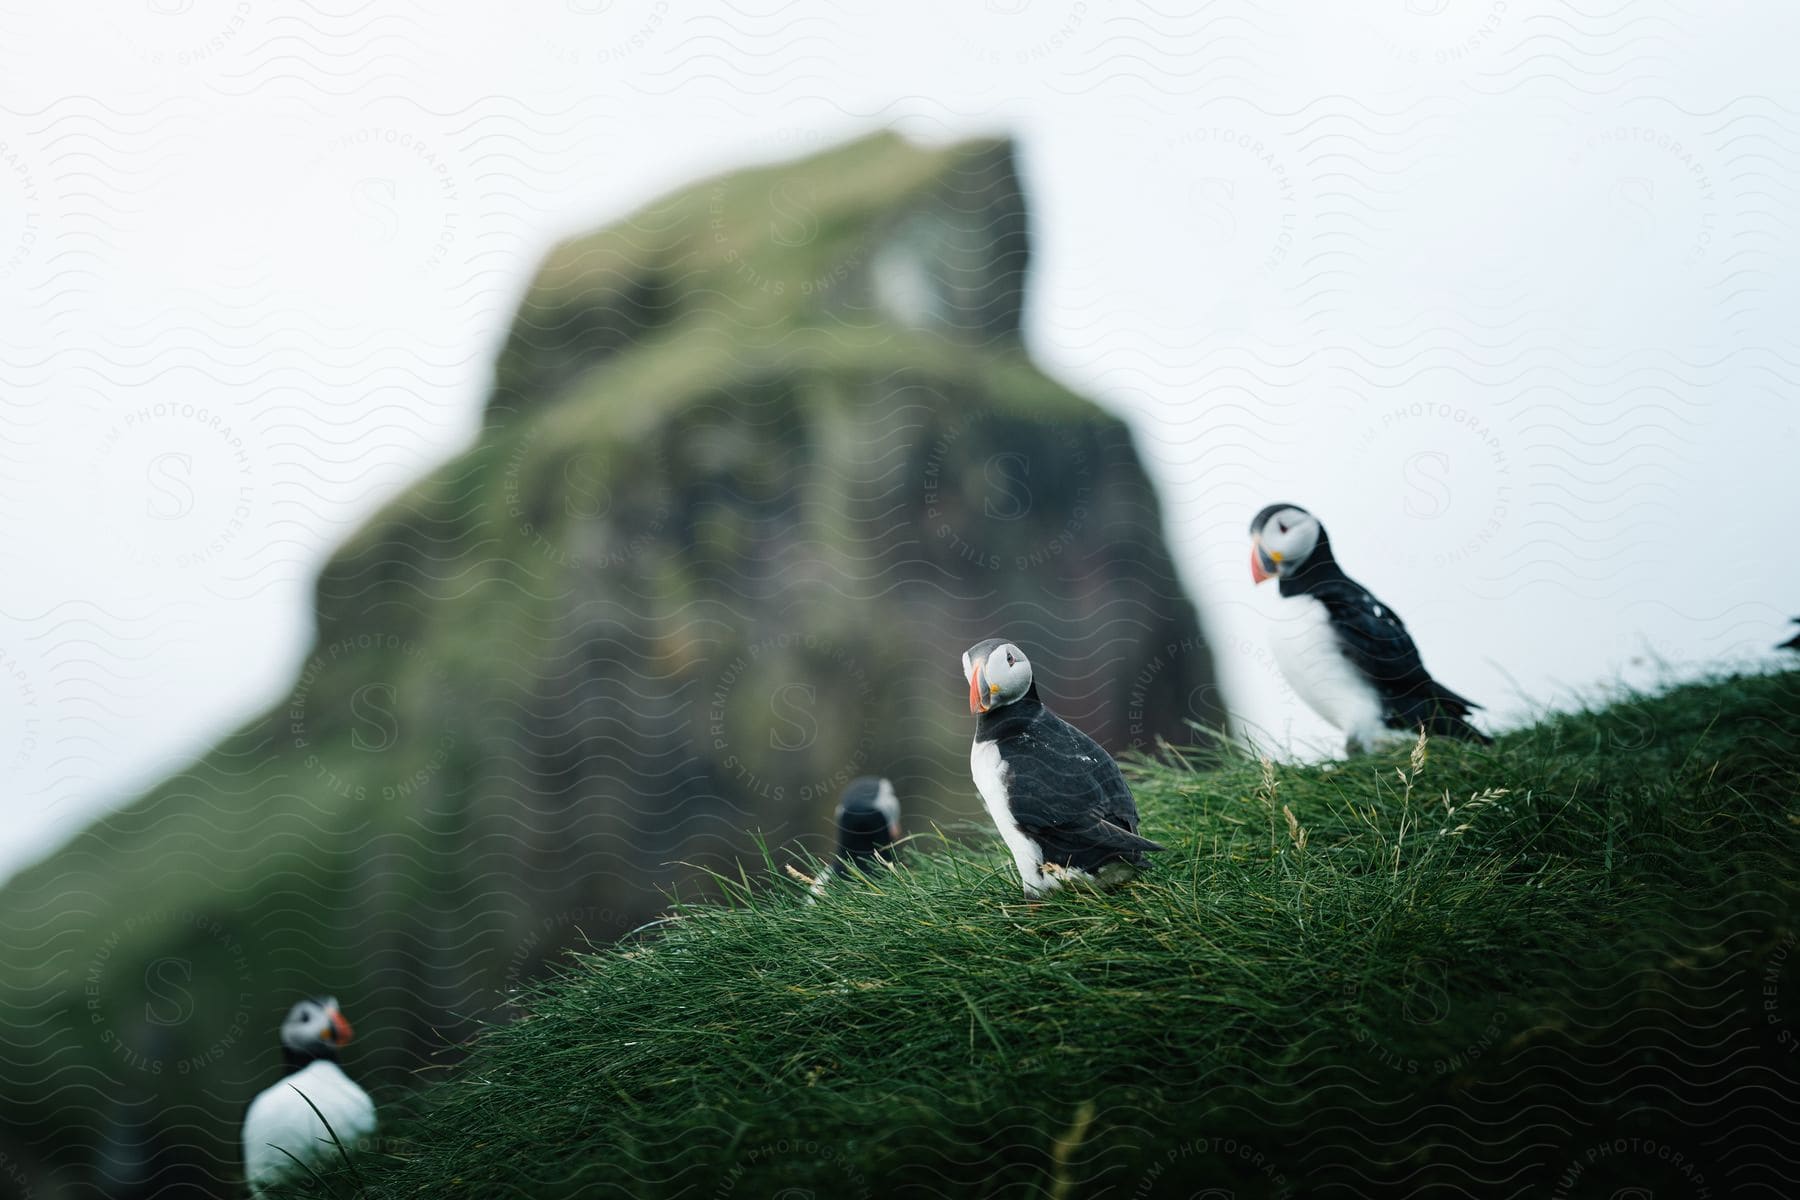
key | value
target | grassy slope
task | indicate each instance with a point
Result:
(1378, 991)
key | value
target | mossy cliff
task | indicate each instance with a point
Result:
(759, 462)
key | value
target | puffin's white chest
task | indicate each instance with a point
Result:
(1307, 649)
(278, 1117)
(989, 770)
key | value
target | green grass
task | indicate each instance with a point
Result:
(1460, 970)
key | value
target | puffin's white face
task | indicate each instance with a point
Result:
(1281, 538)
(998, 673)
(311, 1024)
(888, 805)
(884, 802)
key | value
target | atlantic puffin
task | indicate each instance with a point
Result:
(280, 1127)
(1057, 798)
(1345, 652)
(868, 824)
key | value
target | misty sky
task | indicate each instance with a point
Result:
(1504, 291)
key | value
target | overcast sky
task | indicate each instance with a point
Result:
(1504, 291)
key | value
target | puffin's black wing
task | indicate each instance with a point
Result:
(1067, 794)
(1792, 643)
(1376, 642)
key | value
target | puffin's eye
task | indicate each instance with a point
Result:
(1281, 527)
(1009, 661)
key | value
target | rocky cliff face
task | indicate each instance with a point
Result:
(760, 462)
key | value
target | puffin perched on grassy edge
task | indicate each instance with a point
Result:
(1345, 652)
(1058, 799)
(283, 1135)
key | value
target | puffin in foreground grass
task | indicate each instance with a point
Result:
(1056, 796)
(868, 824)
(283, 1137)
(1345, 652)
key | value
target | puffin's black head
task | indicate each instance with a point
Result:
(998, 673)
(314, 1029)
(868, 818)
(1282, 537)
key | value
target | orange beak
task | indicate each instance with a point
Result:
(340, 1028)
(977, 702)
(1257, 572)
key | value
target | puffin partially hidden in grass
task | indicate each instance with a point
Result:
(1056, 796)
(1345, 652)
(868, 824)
(283, 1136)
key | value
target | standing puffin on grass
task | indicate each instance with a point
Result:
(1058, 799)
(1345, 652)
(283, 1136)
(868, 824)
